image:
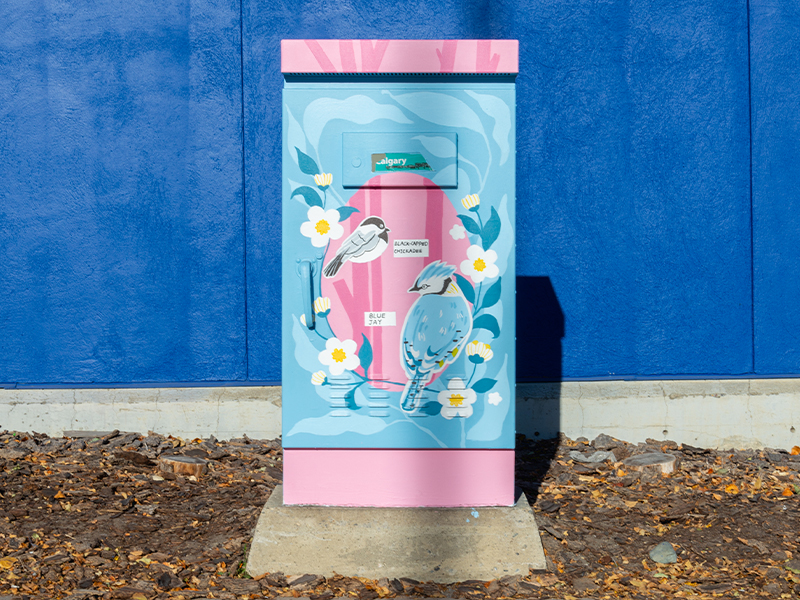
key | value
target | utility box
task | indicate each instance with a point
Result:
(398, 314)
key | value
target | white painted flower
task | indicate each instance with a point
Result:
(457, 232)
(319, 378)
(480, 264)
(494, 398)
(323, 180)
(339, 356)
(456, 400)
(478, 352)
(471, 202)
(322, 306)
(303, 319)
(322, 225)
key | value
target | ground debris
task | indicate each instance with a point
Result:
(731, 517)
(93, 517)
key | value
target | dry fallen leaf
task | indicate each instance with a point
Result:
(731, 489)
(545, 580)
(795, 450)
(787, 491)
(7, 563)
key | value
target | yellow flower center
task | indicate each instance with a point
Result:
(479, 265)
(322, 227)
(338, 355)
(456, 400)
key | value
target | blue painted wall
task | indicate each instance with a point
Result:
(121, 207)
(775, 70)
(140, 191)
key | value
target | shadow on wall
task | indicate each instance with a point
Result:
(540, 329)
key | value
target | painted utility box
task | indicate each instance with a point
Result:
(398, 272)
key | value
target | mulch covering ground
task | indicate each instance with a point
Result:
(95, 518)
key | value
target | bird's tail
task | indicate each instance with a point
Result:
(413, 393)
(333, 266)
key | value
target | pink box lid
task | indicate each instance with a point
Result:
(400, 56)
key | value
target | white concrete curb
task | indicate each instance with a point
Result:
(224, 412)
(732, 413)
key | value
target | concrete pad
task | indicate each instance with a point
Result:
(443, 545)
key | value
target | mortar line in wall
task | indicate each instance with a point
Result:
(752, 228)
(244, 194)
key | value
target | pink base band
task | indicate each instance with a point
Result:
(407, 478)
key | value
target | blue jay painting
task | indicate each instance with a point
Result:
(435, 330)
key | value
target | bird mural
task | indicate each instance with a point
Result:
(435, 330)
(369, 240)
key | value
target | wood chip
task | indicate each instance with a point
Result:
(182, 465)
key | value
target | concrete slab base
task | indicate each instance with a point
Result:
(443, 545)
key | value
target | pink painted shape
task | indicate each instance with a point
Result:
(321, 59)
(399, 56)
(486, 62)
(447, 55)
(402, 478)
(382, 284)
(372, 54)
(348, 55)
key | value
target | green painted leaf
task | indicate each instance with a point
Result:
(310, 195)
(431, 408)
(345, 212)
(484, 385)
(492, 295)
(487, 322)
(470, 224)
(466, 288)
(350, 399)
(365, 354)
(307, 164)
(491, 230)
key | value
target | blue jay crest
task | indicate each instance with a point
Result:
(436, 328)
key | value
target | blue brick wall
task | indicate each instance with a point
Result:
(140, 192)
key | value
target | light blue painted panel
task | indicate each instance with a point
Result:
(410, 342)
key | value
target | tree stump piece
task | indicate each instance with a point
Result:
(656, 462)
(182, 465)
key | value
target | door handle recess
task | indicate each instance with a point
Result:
(305, 270)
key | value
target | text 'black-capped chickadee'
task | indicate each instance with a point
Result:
(369, 240)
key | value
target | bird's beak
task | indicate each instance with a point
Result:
(414, 289)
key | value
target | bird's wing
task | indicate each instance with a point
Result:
(358, 243)
(435, 326)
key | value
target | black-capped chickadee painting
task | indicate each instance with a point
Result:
(369, 240)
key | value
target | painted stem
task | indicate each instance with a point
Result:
(476, 307)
